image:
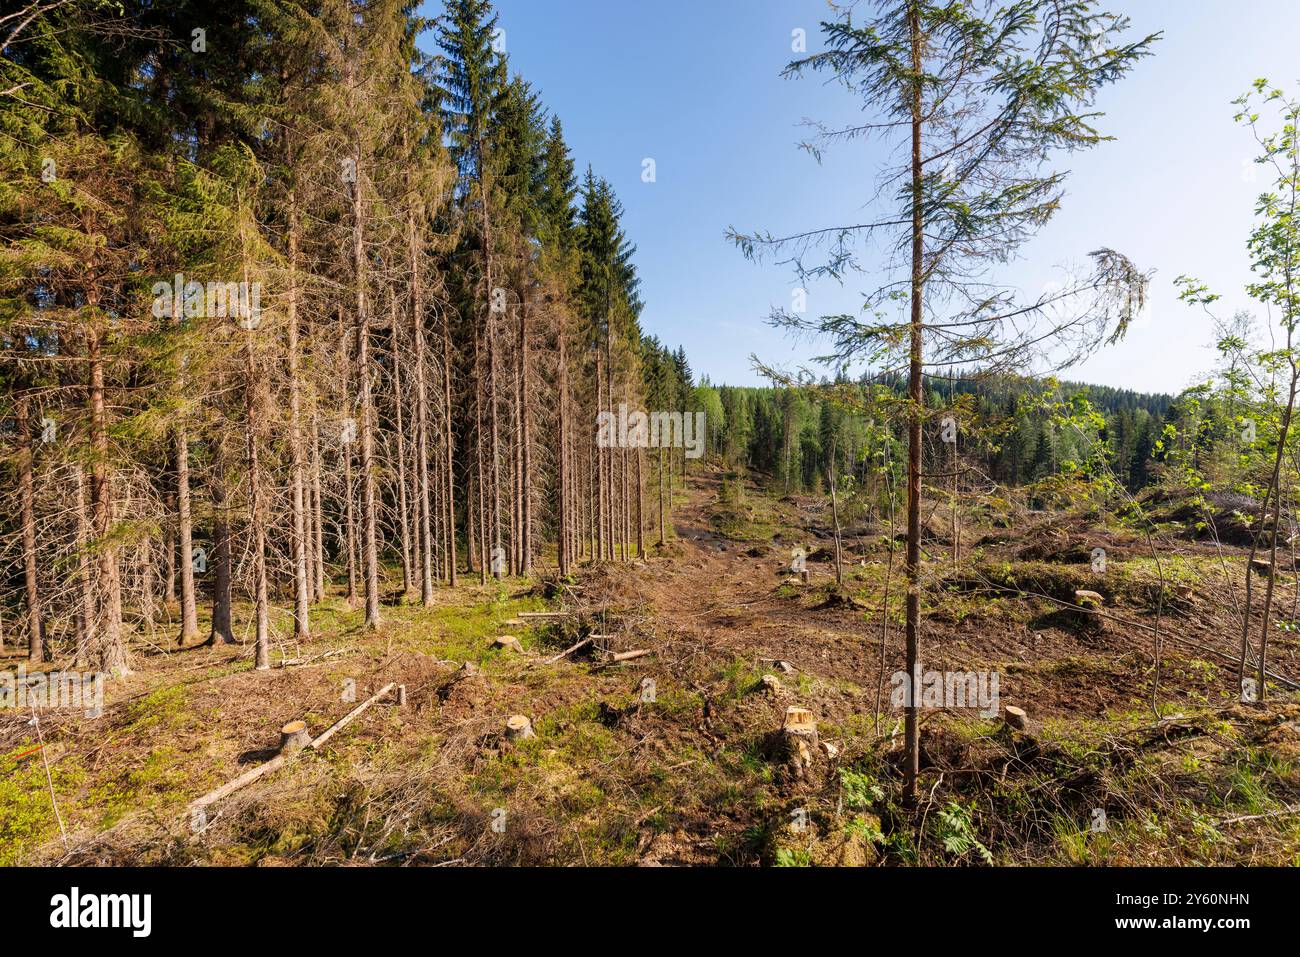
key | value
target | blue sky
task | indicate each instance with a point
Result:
(695, 86)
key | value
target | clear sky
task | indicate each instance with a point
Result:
(695, 86)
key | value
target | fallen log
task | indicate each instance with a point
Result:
(618, 656)
(352, 715)
(545, 615)
(567, 651)
(230, 787)
(292, 662)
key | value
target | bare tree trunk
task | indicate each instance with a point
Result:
(318, 515)
(628, 503)
(601, 503)
(565, 516)
(111, 653)
(27, 489)
(221, 565)
(85, 596)
(421, 418)
(835, 519)
(169, 552)
(350, 426)
(403, 504)
(185, 520)
(1276, 488)
(301, 543)
(365, 414)
(262, 652)
(663, 523)
(495, 446)
(480, 496)
(449, 499)
(640, 508)
(526, 461)
(516, 472)
(912, 559)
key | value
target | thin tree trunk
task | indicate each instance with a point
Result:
(318, 514)
(449, 501)
(912, 559)
(1275, 485)
(365, 414)
(565, 515)
(349, 511)
(221, 564)
(301, 543)
(85, 596)
(403, 504)
(421, 419)
(640, 508)
(526, 460)
(261, 611)
(169, 553)
(111, 650)
(835, 520)
(663, 523)
(27, 490)
(185, 520)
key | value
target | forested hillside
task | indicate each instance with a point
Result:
(789, 432)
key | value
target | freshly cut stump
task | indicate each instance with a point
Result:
(508, 643)
(294, 737)
(799, 745)
(1088, 614)
(1019, 719)
(519, 727)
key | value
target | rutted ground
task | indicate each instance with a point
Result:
(693, 773)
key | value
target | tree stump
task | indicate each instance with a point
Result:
(770, 685)
(519, 727)
(1088, 614)
(508, 643)
(294, 737)
(799, 744)
(1019, 720)
(401, 696)
(1262, 567)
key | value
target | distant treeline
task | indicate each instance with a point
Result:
(1006, 428)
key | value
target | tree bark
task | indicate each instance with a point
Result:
(221, 564)
(301, 543)
(185, 520)
(111, 653)
(27, 491)
(423, 522)
(365, 417)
